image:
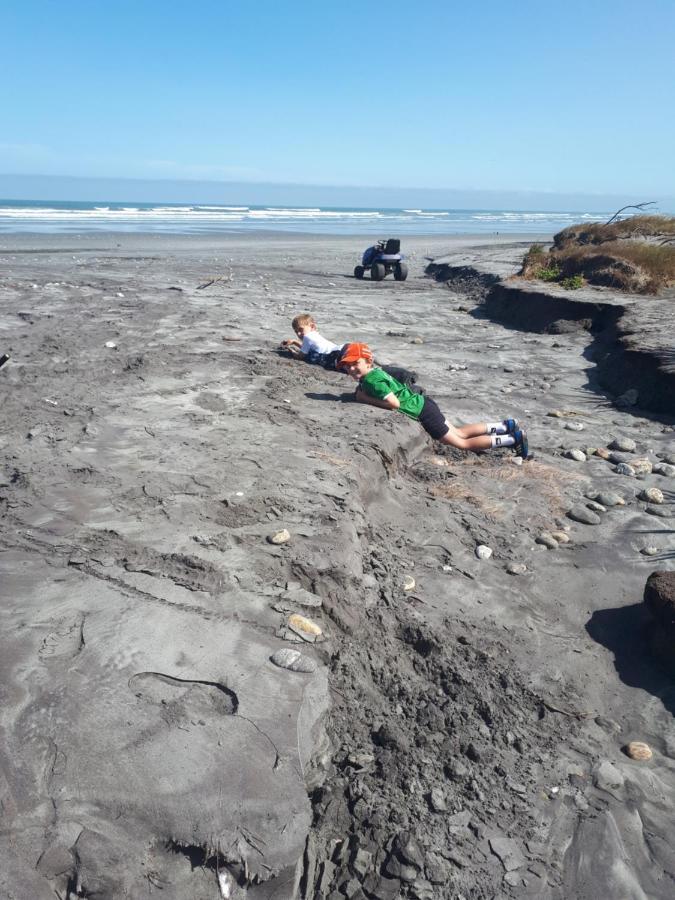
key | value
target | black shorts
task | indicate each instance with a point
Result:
(433, 420)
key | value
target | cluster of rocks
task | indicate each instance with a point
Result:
(438, 752)
(659, 598)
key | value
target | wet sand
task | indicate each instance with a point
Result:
(460, 732)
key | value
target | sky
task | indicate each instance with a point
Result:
(517, 98)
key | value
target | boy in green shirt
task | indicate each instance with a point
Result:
(380, 389)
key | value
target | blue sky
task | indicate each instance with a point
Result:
(520, 96)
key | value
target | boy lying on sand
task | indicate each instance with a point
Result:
(380, 389)
(315, 348)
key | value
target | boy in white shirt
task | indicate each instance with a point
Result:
(311, 346)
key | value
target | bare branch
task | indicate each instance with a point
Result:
(640, 206)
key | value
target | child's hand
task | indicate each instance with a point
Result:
(285, 343)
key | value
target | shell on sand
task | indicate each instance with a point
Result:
(638, 750)
(293, 660)
(408, 583)
(304, 627)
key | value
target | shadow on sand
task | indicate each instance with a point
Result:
(625, 632)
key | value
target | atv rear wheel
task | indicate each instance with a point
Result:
(400, 271)
(358, 271)
(377, 271)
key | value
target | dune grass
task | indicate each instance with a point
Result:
(636, 254)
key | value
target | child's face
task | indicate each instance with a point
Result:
(358, 369)
(302, 330)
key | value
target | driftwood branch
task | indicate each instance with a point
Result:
(640, 206)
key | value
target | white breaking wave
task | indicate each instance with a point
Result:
(213, 218)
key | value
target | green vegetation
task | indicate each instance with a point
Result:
(636, 254)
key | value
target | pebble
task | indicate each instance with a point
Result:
(596, 507)
(293, 660)
(279, 537)
(626, 445)
(651, 495)
(111, 345)
(642, 466)
(417, 340)
(561, 537)
(608, 777)
(649, 551)
(625, 469)
(483, 552)
(608, 498)
(575, 426)
(408, 583)
(547, 540)
(516, 568)
(638, 750)
(602, 453)
(581, 514)
(664, 469)
(437, 800)
(576, 454)
(305, 628)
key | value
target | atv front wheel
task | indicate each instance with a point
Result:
(400, 271)
(377, 271)
(358, 272)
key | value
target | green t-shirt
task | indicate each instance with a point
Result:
(379, 385)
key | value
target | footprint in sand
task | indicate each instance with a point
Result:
(195, 697)
(64, 642)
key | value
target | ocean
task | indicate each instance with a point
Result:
(77, 217)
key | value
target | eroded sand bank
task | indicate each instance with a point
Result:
(461, 737)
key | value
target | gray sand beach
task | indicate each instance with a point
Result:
(451, 726)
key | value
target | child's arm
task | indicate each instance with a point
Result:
(389, 402)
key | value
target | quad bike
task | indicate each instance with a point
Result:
(383, 258)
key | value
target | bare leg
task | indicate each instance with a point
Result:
(478, 442)
(468, 431)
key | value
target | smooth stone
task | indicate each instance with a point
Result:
(556, 414)
(575, 426)
(305, 628)
(668, 459)
(408, 583)
(602, 453)
(617, 458)
(279, 537)
(293, 660)
(626, 445)
(642, 466)
(483, 552)
(649, 551)
(583, 515)
(607, 777)
(651, 495)
(664, 469)
(111, 345)
(547, 540)
(638, 750)
(516, 568)
(561, 537)
(596, 507)
(625, 469)
(576, 454)
(608, 499)
(662, 512)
